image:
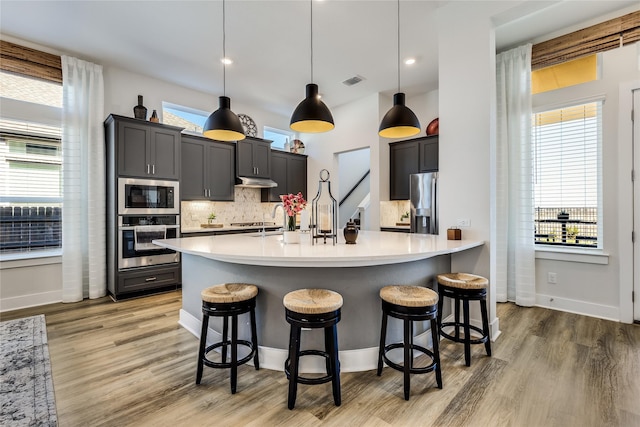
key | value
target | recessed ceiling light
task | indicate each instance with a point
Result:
(227, 61)
(410, 61)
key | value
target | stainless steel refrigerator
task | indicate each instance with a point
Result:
(423, 195)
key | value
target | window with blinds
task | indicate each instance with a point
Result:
(566, 147)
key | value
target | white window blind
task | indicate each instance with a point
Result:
(567, 172)
(30, 187)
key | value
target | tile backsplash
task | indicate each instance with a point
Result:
(246, 208)
(391, 211)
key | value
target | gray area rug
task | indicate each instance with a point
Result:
(26, 387)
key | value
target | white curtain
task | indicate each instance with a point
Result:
(83, 175)
(515, 254)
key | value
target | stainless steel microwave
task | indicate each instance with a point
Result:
(137, 196)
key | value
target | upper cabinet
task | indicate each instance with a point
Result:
(409, 157)
(289, 171)
(208, 169)
(253, 157)
(145, 149)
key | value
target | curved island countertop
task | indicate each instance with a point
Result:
(357, 272)
(371, 248)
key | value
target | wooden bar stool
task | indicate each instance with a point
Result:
(228, 301)
(313, 308)
(411, 304)
(465, 287)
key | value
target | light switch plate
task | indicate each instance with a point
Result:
(464, 222)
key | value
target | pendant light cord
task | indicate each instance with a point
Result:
(398, 45)
(311, 1)
(224, 52)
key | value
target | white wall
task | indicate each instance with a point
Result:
(123, 87)
(594, 289)
(356, 127)
(467, 132)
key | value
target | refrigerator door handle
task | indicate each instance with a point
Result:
(433, 223)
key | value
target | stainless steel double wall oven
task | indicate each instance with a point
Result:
(147, 210)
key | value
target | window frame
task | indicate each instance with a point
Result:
(569, 252)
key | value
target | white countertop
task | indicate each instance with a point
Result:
(372, 248)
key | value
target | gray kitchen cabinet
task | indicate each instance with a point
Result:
(409, 157)
(253, 157)
(146, 149)
(289, 171)
(208, 169)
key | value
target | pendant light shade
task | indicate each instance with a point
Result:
(312, 115)
(223, 124)
(400, 121)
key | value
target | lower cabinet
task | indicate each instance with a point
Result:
(147, 279)
(289, 171)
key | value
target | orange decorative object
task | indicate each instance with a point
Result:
(432, 128)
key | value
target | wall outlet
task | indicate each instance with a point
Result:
(464, 222)
(552, 278)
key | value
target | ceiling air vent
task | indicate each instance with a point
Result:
(353, 80)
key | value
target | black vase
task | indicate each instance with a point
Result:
(350, 233)
(140, 111)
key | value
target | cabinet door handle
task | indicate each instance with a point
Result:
(205, 192)
(153, 169)
(208, 192)
(147, 168)
(150, 279)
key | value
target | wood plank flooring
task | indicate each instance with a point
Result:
(131, 364)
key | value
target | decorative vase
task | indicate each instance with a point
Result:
(291, 237)
(140, 111)
(154, 117)
(350, 233)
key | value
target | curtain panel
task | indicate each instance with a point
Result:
(515, 252)
(83, 175)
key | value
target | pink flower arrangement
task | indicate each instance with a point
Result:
(293, 204)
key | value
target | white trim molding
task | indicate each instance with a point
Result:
(32, 300)
(568, 305)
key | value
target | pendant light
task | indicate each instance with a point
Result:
(223, 124)
(311, 115)
(400, 121)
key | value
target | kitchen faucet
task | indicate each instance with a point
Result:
(284, 217)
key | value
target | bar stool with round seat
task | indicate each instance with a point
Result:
(465, 287)
(313, 308)
(228, 300)
(410, 304)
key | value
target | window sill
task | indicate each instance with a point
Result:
(30, 259)
(587, 256)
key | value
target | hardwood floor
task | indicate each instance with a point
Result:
(131, 364)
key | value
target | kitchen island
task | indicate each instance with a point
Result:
(357, 272)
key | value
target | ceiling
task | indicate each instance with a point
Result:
(269, 41)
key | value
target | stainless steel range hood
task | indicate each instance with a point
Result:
(250, 182)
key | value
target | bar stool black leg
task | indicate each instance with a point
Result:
(254, 339)
(435, 337)
(440, 307)
(467, 333)
(407, 359)
(457, 316)
(234, 353)
(203, 344)
(334, 371)
(485, 325)
(294, 349)
(383, 342)
(225, 334)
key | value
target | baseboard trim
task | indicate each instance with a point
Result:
(364, 359)
(607, 312)
(27, 301)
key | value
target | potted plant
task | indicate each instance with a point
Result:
(212, 217)
(404, 217)
(293, 204)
